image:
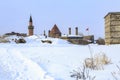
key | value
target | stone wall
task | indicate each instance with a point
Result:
(112, 28)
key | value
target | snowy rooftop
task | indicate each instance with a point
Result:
(72, 35)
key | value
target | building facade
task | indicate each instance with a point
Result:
(55, 32)
(112, 28)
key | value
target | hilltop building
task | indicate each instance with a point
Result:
(77, 38)
(54, 32)
(17, 34)
(112, 28)
(30, 27)
(71, 36)
(76, 31)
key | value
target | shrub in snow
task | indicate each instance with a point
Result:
(3, 40)
(100, 41)
(102, 59)
(21, 40)
(46, 41)
(82, 74)
(89, 63)
(97, 61)
(116, 75)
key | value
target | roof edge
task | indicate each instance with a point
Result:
(111, 13)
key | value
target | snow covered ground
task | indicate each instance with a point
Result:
(35, 60)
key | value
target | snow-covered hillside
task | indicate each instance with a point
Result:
(35, 60)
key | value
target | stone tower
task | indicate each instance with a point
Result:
(30, 27)
(112, 28)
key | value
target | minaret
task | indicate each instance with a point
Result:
(30, 27)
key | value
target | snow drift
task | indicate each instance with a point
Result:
(35, 60)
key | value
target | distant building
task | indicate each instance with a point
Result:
(70, 36)
(55, 32)
(89, 38)
(112, 28)
(17, 34)
(76, 31)
(30, 27)
(77, 38)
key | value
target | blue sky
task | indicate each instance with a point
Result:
(14, 15)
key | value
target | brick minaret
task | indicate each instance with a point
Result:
(30, 27)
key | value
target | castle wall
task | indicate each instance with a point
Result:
(112, 28)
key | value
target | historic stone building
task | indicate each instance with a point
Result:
(112, 28)
(30, 27)
(78, 38)
(55, 32)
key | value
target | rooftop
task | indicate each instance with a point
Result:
(112, 13)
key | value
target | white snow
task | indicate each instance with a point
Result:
(35, 60)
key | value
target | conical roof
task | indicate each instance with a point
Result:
(55, 30)
(30, 23)
(30, 19)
